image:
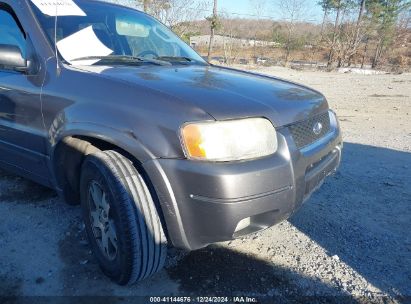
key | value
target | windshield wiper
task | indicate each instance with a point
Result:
(175, 58)
(122, 58)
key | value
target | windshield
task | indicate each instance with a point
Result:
(105, 33)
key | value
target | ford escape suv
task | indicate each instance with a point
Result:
(111, 109)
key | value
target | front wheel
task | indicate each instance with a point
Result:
(121, 219)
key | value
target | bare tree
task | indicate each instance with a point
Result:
(337, 6)
(213, 26)
(327, 6)
(348, 31)
(347, 43)
(130, 3)
(359, 20)
(231, 44)
(357, 39)
(292, 11)
(176, 14)
(259, 9)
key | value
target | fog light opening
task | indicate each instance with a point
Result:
(244, 223)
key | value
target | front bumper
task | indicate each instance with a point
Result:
(205, 202)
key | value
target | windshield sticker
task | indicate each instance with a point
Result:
(59, 7)
(76, 47)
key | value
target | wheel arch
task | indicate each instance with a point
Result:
(82, 139)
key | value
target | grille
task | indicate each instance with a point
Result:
(303, 132)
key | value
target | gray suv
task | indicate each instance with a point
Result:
(108, 107)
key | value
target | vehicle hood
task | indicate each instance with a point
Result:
(222, 92)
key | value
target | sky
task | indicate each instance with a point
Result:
(244, 8)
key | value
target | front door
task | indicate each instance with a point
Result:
(22, 133)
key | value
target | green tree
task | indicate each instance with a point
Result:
(327, 6)
(293, 12)
(383, 16)
(338, 6)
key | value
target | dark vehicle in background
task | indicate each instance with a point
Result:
(219, 59)
(112, 110)
(243, 61)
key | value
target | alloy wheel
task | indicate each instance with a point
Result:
(104, 229)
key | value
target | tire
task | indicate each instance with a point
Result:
(121, 219)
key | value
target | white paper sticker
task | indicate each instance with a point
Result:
(59, 7)
(81, 44)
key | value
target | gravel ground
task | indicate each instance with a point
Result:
(351, 241)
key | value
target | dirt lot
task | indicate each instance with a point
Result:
(351, 241)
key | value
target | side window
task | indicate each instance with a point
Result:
(10, 32)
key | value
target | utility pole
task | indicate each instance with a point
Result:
(213, 27)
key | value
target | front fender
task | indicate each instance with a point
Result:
(60, 142)
(124, 139)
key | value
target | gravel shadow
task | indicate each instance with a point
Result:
(362, 215)
(220, 271)
(20, 190)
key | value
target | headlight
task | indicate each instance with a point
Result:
(229, 140)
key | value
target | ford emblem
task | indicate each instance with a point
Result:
(318, 127)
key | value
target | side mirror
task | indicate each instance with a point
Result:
(11, 58)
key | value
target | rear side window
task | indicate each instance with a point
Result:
(10, 32)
